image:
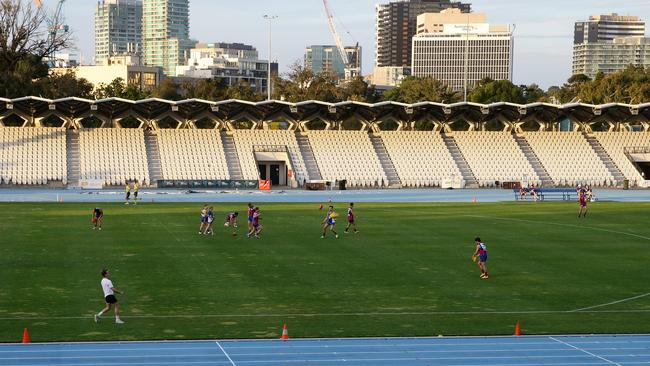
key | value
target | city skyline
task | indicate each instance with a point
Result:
(543, 43)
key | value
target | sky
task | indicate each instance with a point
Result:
(543, 29)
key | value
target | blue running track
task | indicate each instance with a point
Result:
(491, 351)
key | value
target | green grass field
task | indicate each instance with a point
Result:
(408, 273)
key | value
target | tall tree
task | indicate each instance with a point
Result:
(63, 85)
(167, 89)
(26, 41)
(416, 89)
(119, 89)
(492, 91)
(243, 91)
(301, 84)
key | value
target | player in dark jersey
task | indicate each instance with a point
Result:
(329, 223)
(98, 218)
(127, 191)
(231, 220)
(582, 198)
(351, 219)
(256, 228)
(481, 254)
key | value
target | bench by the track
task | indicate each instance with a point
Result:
(548, 194)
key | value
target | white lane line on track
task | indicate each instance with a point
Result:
(584, 351)
(308, 315)
(610, 303)
(226, 353)
(560, 224)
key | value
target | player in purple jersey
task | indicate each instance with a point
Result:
(256, 227)
(481, 254)
(352, 223)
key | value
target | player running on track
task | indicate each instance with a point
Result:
(351, 219)
(109, 297)
(329, 223)
(481, 254)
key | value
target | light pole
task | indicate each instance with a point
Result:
(270, 18)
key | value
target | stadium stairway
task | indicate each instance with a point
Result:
(534, 161)
(461, 163)
(153, 157)
(606, 159)
(73, 164)
(386, 162)
(313, 171)
(232, 159)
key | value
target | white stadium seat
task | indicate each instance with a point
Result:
(568, 158)
(192, 155)
(347, 155)
(113, 155)
(494, 156)
(421, 158)
(615, 143)
(32, 155)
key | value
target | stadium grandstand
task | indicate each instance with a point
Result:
(75, 142)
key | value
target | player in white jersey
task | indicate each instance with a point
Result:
(109, 297)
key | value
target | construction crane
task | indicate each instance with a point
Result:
(351, 69)
(56, 24)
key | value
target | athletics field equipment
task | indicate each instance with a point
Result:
(405, 274)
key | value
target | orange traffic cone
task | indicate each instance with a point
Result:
(517, 329)
(25, 336)
(285, 333)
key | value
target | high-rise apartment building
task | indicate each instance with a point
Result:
(609, 57)
(166, 33)
(460, 53)
(118, 29)
(327, 58)
(609, 43)
(604, 28)
(396, 26)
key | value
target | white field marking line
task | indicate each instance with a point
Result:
(179, 241)
(610, 303)
(584, 351)
(560, 224)
(578, 226)
(226, 353)
(308, 315)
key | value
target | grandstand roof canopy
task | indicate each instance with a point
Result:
(192, 110)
